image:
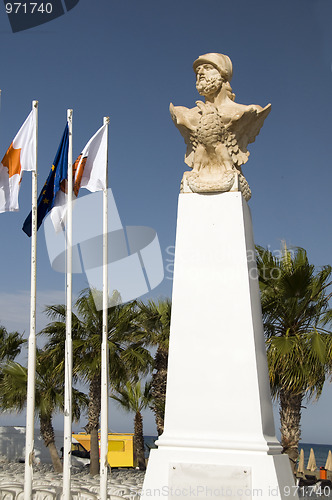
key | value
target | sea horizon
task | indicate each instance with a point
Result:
(320, 450)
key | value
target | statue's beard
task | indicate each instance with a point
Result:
(207, 86)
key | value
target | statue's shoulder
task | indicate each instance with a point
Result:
(232, 111)
(186, 117)
(245, 121)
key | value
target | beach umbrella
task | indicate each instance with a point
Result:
(312, 461)
(328, 465)
(300, 467)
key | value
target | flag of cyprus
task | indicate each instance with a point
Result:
(20, 156)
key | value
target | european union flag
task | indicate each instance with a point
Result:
(54, 183)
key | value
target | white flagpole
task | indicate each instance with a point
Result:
(104, 345)
(68, 343)
(30, 416)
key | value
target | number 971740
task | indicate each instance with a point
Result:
(28, 8)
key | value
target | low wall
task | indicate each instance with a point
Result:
(12, 444)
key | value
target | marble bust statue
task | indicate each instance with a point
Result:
(217, 131)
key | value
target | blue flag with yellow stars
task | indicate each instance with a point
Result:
(55, 181)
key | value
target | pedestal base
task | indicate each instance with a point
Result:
(217, 474)
(219, 438)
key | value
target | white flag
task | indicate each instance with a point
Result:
(20, 156)
(89, 171)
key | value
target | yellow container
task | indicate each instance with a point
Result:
(120, 448)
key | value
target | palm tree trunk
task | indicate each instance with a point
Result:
(47, 432)
(93, 423)
(57, 464)
(139, 441)
(94, 452)
(159, 380)
(290, 418)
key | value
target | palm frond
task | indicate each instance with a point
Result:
(296, 312)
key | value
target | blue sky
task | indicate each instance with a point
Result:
(129, 60)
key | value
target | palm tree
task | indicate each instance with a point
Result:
(49, 397)
(155, 319)
(128, 357)
(133, 399)
(296, 314)
(10, 344)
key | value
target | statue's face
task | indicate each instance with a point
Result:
(208, 79)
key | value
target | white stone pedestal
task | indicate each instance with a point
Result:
(219, 438)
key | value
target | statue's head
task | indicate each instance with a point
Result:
(212, 70)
